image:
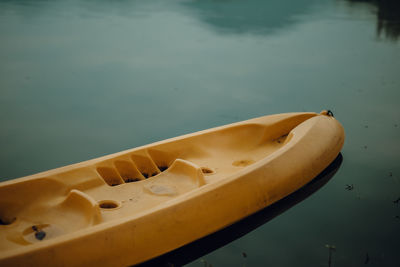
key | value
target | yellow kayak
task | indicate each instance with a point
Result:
(128, 207)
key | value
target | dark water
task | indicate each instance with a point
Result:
(80, 79)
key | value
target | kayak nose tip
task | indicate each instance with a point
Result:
(327, 112)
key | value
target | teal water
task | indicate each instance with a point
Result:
(80, 79)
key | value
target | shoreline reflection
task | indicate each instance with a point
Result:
(205, 245)
(387, 17)
(249, 17)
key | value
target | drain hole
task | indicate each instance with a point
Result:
(7, 221)
(108, 204)
(206, 170)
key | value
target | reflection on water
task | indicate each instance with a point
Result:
(264, 17)
(83, 78)
(221, 238)
(224, 16)
(81, 8)
(253, 16)
(387, 15)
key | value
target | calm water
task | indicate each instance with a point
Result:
(80, 79)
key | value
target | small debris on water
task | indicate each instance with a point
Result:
(366, 126)
(397, 217)
(365, 147)
(396, 201)
(244, 254)
(390, 174)
(331, 248)
(349, 187)
(366, 259)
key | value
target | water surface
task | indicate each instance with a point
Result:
(80, 79)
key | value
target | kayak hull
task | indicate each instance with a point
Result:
(110, 220)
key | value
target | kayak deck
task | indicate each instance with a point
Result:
(135, 182)
(131, 183)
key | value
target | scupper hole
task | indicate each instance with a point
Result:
(108, 204)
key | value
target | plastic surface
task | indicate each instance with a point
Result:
(131, 206)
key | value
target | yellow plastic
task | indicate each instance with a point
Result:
(131, 206)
